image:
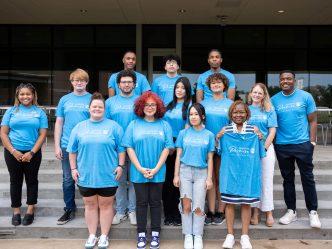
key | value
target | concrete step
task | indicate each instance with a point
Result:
(45, 227)
(322, 176)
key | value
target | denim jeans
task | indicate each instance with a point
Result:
(125, 195)
(68, 184)
(192, 186)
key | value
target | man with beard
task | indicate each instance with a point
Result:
(203, 91)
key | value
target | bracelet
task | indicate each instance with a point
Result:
(73, 169)
(121, 166)
(13, 150)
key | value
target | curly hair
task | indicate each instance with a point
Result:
(234, 104)
(218, 76)
(141, 101)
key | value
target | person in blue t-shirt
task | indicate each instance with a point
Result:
(96, 162)
(295, 141)
(177, 116)
(129, 63)
(216, 118)
(148, 140)
(23, 132)
(264, 117)
(240, 172)
(193, 174)
(202, 90)
(120, 108)
(163, 85)
(72, 109)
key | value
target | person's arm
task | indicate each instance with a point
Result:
(161, 161)
(8, 145)
(259, 134)
(208, 182)
(42, 135)
(133, 158)
(121, 162)
(57, 137)
(199, 96)
(312, 117)
(270, 137)
(73, 166)
(176, 179)
(231, 93)
(111, 92)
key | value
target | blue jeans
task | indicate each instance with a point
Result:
(68, 184)
(125, 194)
(192, 186)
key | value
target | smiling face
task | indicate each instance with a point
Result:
(129, 60)
(239, 114)
(287, 83)
(150, 108)
(25, 96)
(180, 91)
(257, 95)
(97, 109)
(126, 85)
(217, 86)
(194, 117)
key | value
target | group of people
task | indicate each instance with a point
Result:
(147, 146)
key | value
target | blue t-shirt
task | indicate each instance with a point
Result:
(148, 140)
(24, 125)
(73, 109)
(240, 168)
(142, 84)
(201, 82)
(121, 109)
(195, 146)
(263, 120)
(292, 114)
(216, 113)
(97, 145)
(163, 86)
(175, 119)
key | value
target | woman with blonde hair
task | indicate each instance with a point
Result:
(264, 117)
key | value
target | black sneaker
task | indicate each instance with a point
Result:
(177, 221)
(208, 218)
(28, 219)
(16, 219)
(218, 218)
(168, 221)
(66, 217)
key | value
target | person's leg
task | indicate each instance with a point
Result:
(186, 193)
(141, 191)
(303, 157)
(131, 189)
(31, 170)
(105, 213)
(121, 193)
(286, 162)
(91, 213)
(245, 218)
(68, 184)
(167, 189)
(16, 181)
(155, 193)
(230, 214)
(211, 193)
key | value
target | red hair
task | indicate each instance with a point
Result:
(141, 101)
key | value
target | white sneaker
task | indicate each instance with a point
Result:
(198, 242)
(229, 241)
(118, 218)
(288, 217)
(91, 242)
(245, 242)
(103, 242)
(132, 218)
(188, 242)
(314, 219)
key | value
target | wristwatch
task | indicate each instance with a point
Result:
(32, 153)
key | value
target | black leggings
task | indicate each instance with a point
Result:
(16, 172)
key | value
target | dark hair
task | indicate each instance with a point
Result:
(141, 101)
(129, 51)
(218, 76)
(234, 104)
(214, 50)
(126, 73)
(97, 96)
(172, 57)
(28, 86)
(187, 86)
(201, 112)
(287, 71)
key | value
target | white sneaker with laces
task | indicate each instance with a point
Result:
(132, 218)
(314, 219)
(103, 242)
(198, 242)
(91, 242)
(188, 242)
(245, 242)
(229, 241)
(118, 218)
(288, 217)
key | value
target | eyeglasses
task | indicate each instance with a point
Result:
(78, 81)
(173, 62)
(127, 82)
(152, 105)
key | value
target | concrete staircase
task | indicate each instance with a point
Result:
(50, 208)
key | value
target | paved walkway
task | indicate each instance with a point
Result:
(168, 244)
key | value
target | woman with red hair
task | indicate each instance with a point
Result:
(148, 140)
